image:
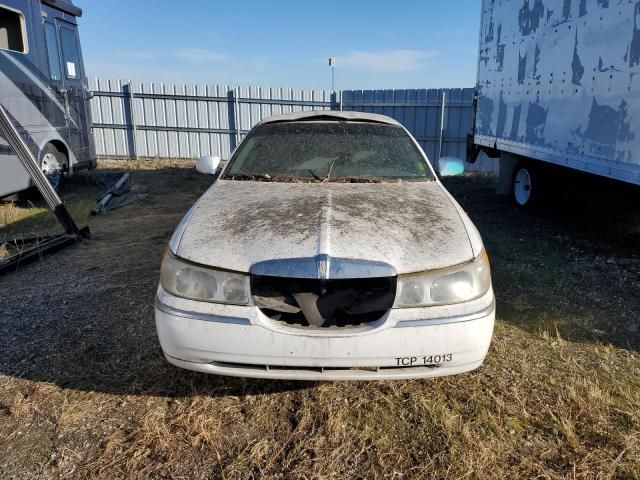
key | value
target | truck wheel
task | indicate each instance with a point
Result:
(526, 187)
(53, 162)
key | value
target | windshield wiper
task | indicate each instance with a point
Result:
(249, 176)
(330, 170)
(314, 175)
(355, 180)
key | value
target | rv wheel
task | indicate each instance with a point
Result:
(53, 162)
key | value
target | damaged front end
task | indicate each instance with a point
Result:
(323, 292)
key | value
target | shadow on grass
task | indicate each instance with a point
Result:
(572, 267)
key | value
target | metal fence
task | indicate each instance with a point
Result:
(438, 119)
(132, 119)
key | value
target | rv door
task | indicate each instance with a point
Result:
(56, 116)
(71, 87)
(76, 92)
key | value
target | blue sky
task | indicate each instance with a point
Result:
(378, 44)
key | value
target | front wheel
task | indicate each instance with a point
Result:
(52, 165)
(526, 187)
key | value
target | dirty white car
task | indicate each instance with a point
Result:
(327, 248)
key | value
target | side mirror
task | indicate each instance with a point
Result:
(208, 165)
(450, 166)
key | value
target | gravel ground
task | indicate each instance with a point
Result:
(86, 393)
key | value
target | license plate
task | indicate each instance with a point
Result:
(422, 360)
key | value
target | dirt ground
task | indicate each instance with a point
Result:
(86, 393)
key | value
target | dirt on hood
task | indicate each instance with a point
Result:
(411, 226)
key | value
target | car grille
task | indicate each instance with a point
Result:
(324, 303)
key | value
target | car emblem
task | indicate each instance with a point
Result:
(323, 266)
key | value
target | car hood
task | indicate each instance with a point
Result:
(412, 226)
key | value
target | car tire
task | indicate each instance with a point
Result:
(52, 164)
(527, 187)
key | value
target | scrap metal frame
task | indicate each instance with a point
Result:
(28, 160)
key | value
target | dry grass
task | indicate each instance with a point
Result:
(85, 392)
(31, 218)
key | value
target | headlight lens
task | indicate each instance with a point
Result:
(457, 285)
(196, 282)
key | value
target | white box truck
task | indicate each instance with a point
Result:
(558, 85)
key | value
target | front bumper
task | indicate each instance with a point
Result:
(406, 343)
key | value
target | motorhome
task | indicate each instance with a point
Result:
(44, 89)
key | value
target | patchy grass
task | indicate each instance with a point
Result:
(30, 218)
(85, 392)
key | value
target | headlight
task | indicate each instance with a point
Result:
(197, 282)
(456, 285)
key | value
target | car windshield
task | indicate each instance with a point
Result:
(328, 152)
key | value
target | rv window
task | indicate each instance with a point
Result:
(12, 34)
(70, 52)
(53, 54)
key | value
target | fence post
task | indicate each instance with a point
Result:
(442, 109)
(238, 116)
(231, 119)
(334, 101)
(130, 117)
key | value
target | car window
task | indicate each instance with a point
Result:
(70, 52)
(328, 151)
(53, 53)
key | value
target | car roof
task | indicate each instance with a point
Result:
(331, 115)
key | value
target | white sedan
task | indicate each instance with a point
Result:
(326, 249)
